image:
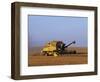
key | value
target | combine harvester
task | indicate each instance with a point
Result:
(57, 48)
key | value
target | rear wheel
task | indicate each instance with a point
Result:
(74, 52)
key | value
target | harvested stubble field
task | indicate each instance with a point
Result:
(36, 59)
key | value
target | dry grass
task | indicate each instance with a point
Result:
(36, 59)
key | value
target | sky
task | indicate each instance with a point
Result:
(42, 29)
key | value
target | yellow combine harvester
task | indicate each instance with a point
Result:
(56, 48)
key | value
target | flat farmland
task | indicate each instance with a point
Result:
(35, 58)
